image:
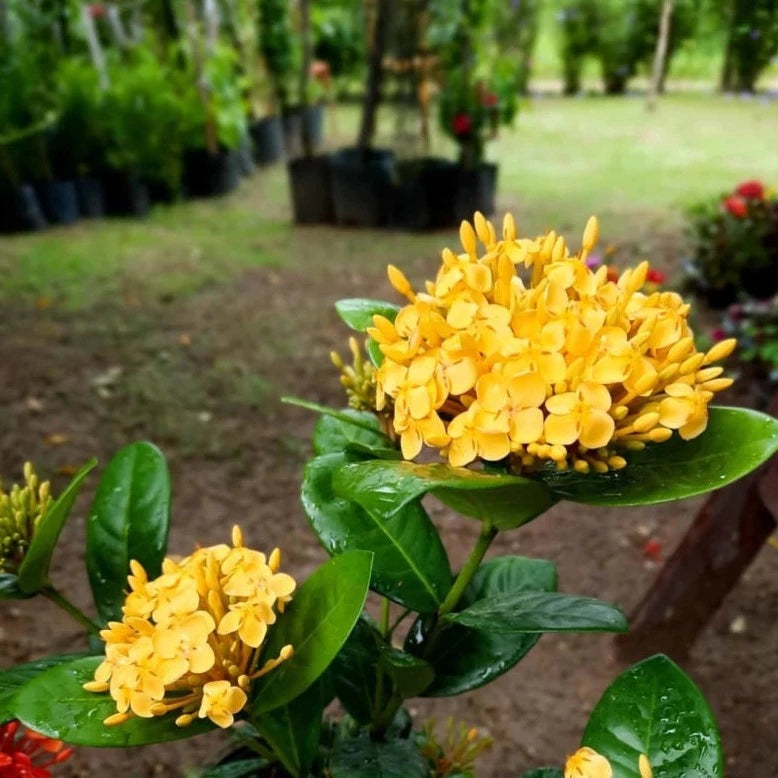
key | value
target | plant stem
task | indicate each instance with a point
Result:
(75, 613)
(399, 621)
(488, 534)
(385, 605)
(386, 717)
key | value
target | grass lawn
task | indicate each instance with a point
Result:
(565, 159)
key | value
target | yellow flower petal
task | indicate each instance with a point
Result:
(595, 396)
(563, 403)
(492, 447)
(526, 425)
(561, 430)
(597, 429)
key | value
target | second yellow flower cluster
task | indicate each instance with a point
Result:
(523, 350)
(189, 640)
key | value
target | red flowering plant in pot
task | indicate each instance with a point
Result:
(734, 242)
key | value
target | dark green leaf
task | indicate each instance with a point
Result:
(56, 705)
(294, 729)
(358, 313)
(520, 612)
(34, 569)
(354, 671)
(130, 519)
(334, 435)
(242, 768)
(410, 565)
(13, 679)
(544, 772)
(736, 441)
(409, 674)
(654, 708)
(384, 487)
(361, 757)
(464, 658)
(9, 588)
(317, 623)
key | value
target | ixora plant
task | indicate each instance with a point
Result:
(538, 379)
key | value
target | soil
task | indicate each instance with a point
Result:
(201, 375)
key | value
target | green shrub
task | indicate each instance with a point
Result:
(753, 41)
(339, 36)
(278, 47)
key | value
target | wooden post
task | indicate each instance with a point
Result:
(727, 533)
(660, 56)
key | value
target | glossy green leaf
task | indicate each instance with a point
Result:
(354, 671)
(519, 612)
(361, 428)
(294, 729)
(465, 658)
(654, 708)
(410, 565)
(736, 441)
(384, 487)
(130, 519)
(544, 772)
(409, 674)
(12, 679)
(374, 352)
(241, 768)
(316, 623)
(34, 569)
(358, 312)
(9, 588)
(362, 757)
(55, 704)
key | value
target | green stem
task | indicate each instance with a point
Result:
(399, 621)
(386, 717)
(75, 613)
(488, 534)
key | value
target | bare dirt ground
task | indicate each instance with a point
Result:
(201, 376)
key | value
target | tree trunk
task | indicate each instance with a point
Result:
(725, 83)
(660, 56)
(374, 76)
(305, 73)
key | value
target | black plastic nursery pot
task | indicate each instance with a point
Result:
(210, 175)
(58, 200)
(124, 194)
(362, 186)
(89, 194)
(310, 182)
(313, 124)
(475, 191)
(410, 200)
(761, 283)
(268, 138)
(20, 210)
(292, 122)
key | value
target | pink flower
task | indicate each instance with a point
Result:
(97, 10)
(593, 261)
(718, 334)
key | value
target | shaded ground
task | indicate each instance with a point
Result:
(188, 339)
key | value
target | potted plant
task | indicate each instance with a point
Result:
(215, 124)
(362, 175)
(734, 242)
(76, 141)
(144, 130)
(280, 55)
(309, 175)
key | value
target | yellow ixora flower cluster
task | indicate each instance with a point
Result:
(522, 350)
(190, 640)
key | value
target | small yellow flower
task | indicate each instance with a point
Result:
(580, 416)
(176, 648)
(587, 763)
(221, 701)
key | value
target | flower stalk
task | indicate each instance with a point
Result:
(59, 599)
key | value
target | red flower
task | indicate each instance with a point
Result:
(737, 206)
(751, 190)
(462, 124)
(655, 276)
(29, 755)
(97, 11)
(613, 274)
(490, 100)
